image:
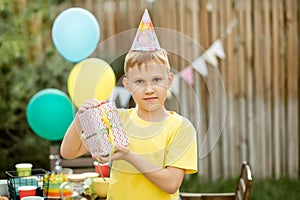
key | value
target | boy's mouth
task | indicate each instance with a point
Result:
(150, 98)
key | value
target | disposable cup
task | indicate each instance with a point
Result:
(67, 171)
(89, 181)
(103, 167)
(3, 187)
(25, 191)
(33, 198)
(24, 169)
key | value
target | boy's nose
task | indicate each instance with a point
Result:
(149, 87)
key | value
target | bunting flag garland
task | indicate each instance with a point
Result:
(122, 93)
(187, 75)
(217, 49)
(210, 57)
(175, 85)
(200, 65)
(211, 54)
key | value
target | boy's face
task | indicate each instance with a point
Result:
(148, 85)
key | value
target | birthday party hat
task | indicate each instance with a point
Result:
(145, 38)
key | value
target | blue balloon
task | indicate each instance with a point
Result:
(75, 34)
(49, 113)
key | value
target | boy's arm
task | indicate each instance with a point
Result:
(168, 179)
(72, 146)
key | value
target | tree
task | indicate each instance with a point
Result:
(29, 63)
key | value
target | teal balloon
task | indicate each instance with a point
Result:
(75, 34)
(49, 113)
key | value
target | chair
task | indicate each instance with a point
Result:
(242, 191)
(79, 165)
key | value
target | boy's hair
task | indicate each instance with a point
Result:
(137, 58)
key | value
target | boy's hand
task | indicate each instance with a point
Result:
(121, 153)
(90, 103)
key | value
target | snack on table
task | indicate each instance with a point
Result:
(55, 180)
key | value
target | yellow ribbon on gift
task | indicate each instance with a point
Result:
(111, 139)
(110, 133)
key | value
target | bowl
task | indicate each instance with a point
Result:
(101, 186)
(33, 198)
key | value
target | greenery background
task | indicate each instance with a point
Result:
(21, 76)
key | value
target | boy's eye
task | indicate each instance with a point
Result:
(139, 81)
(156, 80)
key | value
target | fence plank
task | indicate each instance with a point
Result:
(292, 86)
(250, 80)
(225, 140)
(242, 78)
(217, 151)
(282, 87)
(203, 38)
(276, 97)
(259, 92)
(234, 88)
(267, 88)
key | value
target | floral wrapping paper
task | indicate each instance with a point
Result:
(102, 129)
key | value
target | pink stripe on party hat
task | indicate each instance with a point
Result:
(145, 38)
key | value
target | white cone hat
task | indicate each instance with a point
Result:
(145, 38)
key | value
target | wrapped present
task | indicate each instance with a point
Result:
(102, 129)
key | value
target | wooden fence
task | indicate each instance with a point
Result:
(260, 74)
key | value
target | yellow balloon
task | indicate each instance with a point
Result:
(91, 78)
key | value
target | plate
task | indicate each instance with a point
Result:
(75, 194)
(77, 178)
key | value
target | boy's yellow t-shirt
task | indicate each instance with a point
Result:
(168, 143)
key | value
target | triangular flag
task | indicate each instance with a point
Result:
(113, 95)
(200, 65)
(145, 38)
(122, 93)
(187, 74)
(218, 49)
(175, 85)
(210, 57)
(124, 96)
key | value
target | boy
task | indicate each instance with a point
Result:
(162, 143)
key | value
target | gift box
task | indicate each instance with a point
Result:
(102, 129)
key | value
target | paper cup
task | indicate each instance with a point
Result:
(67, 171)
(103, 167)
(32, 198)
(24, 169)
(25, 191)
(3, 187)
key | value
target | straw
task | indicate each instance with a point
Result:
(100, 170)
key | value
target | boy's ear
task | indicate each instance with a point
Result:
(125, 83)
(170, 79)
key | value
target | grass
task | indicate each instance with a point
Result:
(268, 189)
